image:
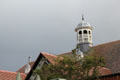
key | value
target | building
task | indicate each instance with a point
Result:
(47, 58)
(110, 51)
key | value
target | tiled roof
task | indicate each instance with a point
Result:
(50, 57)
(111, 53)
(102, 71)
(22, 69)
(65, 54)
(6, 75)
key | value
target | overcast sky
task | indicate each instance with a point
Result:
(28, 27)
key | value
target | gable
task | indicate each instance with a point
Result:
(42, 58)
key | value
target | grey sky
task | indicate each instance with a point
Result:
(28, 27)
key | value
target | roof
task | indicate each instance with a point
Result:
(111, 53)
(83, 24)
(7, 75)
(65, 54)
(102, 71)
(50, 57)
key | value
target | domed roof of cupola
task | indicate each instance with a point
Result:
(82, 24)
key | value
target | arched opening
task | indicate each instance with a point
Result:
(89, 32)
(80, 32)
(85, 31)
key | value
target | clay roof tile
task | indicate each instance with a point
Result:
(7, 75)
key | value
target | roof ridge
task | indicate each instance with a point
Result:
(7, 71)
(64, 53)
(107, 43)
(48, 54)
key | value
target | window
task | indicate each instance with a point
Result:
(80, 32)
(85, 31)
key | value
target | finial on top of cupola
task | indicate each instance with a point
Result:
(29, 59)
(83, 17)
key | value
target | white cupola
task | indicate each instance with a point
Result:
(84, 35)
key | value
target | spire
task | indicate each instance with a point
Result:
(29, 59)
(83, 17)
